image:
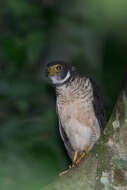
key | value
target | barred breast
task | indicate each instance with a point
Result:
(76, 112)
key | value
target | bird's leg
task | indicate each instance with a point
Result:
(83, 154)
(70, 166)
(74, 159)
(75, 156)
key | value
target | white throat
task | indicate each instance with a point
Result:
(55, 81)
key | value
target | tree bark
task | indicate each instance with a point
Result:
(105, 167)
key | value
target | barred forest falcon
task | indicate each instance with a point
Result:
(79, 107)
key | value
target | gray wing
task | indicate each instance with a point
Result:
(65, 139)
(98, 104)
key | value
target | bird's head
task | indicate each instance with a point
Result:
(59, 72)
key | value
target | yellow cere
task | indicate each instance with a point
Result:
(54, 69)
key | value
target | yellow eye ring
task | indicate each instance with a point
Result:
(58, 68)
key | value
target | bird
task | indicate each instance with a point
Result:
(79, 106)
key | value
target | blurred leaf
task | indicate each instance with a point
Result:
(35, 43)
(14, 49)
(21, 7)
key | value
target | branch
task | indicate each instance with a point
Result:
(105, 167)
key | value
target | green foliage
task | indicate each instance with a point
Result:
(32, 153)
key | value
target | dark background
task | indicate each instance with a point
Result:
(90, 35)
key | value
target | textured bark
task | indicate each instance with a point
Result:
(105, 167)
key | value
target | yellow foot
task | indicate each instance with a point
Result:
(75, 161)
(70, 166)
(83, 154)
(62, 173)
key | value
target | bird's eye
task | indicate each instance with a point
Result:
(59, 67)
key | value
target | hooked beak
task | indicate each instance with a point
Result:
(52, 71)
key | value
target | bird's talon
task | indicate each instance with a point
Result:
(72, 166)
(63, 172)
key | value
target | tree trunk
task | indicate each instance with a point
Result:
(105, 167)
